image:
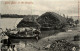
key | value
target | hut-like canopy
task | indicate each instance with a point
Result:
(51, 19)
(29, 21)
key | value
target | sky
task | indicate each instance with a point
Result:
(38, 7)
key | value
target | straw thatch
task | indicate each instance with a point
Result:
(51, 19)
(29, 21)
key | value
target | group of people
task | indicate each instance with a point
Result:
(12, 48)
(7, 46)
(6, 43)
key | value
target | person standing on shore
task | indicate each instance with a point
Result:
(14, 48)
(9, 49)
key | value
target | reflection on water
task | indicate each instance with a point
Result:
(9, 22)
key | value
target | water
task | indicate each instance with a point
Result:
(9, 22)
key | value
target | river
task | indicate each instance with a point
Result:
(9, 22)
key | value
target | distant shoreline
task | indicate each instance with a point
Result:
(16, 16)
